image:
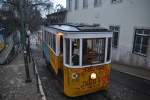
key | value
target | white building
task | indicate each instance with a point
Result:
(130, 21)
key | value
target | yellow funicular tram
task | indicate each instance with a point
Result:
(82, 54)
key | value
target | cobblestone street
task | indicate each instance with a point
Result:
(122, 86)
(13, 87)
(74, 50)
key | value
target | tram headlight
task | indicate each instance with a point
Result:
(93, 75)
(75, 76)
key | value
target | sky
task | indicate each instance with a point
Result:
(62, 2)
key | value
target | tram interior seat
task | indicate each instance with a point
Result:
(89, 56)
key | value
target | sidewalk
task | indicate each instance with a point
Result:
(12, 82)
(135, 71)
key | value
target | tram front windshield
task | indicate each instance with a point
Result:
(91, 51)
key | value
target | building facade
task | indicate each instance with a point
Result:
(128, 19)
(57, 17)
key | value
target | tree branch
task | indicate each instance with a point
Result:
(7, 2)
(40, 4)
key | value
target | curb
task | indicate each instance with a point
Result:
(40, 84)
(132, 74)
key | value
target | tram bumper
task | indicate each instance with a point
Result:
(83, 81)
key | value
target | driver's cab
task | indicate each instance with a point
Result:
(82, 45)
(86, 46)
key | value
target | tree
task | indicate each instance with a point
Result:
(59, 7)
(9, 21)
(29, 17)
(26, 13)
(35, 20)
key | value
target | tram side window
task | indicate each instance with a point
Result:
(109, 49)
(50, 38)
(45, 36)
(75, 52)
(93, 51)
(67, 47)
(53, 42)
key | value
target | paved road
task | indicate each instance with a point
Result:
(122, 87)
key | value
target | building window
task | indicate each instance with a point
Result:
(76, 4)
(85, 3)
(69, 5)
(97, 3)
(116, 1)
(141, 41)
(116, 31)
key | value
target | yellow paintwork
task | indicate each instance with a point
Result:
(56, 61)
(83, 84)
(1, 46)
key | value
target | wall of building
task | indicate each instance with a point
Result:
(129, 14)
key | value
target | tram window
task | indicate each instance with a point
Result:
(109, 49)
(75, 51)
(93, 51)
(45, 36)
(61, 44)
(50, 38)
(49, 35)
(67, 48)
(51, 41)
(54, 42)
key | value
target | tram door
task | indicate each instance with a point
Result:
(61, 76)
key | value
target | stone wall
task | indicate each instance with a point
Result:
(124, 56)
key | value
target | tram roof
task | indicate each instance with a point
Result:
(78, 28)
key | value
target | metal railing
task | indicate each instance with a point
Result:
(38, 81)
